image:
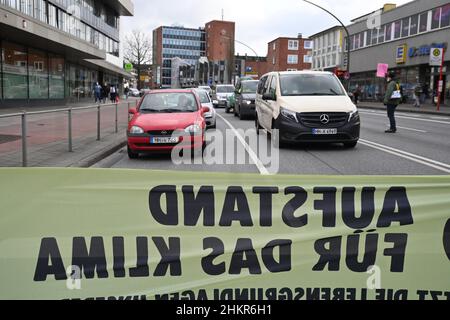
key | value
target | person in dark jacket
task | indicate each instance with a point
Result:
(392, 99)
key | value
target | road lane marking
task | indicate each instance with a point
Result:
(408, 117)
(411, 129)
(262, 169)
(409, 156)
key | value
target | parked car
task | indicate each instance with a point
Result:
(205, 100)
(245, 99)
(221, 94)
(207, 89)
(306, 106)
(133, 92)
(165, 120)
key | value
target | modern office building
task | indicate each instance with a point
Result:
(185, 57)
(403, 40)
(289, 54)
(53, 51)
(328, 49)
(185, 45)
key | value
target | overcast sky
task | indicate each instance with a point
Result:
(257, 21)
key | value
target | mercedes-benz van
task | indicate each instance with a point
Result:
(306, 106)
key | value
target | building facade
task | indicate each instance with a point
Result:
(250, 66)
(169, 43)
(289, 54)
(185, 57)
(328, 49)
(403, 40)
(53, 51)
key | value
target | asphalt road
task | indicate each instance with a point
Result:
(421, 147)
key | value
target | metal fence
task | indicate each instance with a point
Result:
(25, 116)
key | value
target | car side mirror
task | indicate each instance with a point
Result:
(132, 111)
(269, 97)
(205, 110)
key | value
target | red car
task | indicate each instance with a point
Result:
(166, 120)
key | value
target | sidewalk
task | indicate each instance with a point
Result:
(424, 109)
(47, 136)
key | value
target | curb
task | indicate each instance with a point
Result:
(435, 113)
(98, 156)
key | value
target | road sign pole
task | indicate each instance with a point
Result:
(441, 81)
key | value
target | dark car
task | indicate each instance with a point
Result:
(245, 99)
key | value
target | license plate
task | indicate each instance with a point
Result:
(325, 131)
(164, 140)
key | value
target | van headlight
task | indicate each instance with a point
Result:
(136, 130)
(353, 116)
(248, 102)
(288, 114)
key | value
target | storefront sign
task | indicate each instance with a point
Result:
(436, 57)
(424, 50)
(382, 70)
(401, 54)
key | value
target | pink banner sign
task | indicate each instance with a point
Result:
(382, 70)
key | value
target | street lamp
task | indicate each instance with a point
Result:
(348, 37)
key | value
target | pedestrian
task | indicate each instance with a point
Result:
(426, 92)
(105, 92)
(356, 94)
(417, 94)
(392, 100)
(126, 91)
(113, 92)
(98, 92)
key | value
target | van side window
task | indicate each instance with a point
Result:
(262, 85)
(273, 86)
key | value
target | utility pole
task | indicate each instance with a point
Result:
(348, 37)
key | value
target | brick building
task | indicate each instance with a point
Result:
(289, 54)
(250, 66)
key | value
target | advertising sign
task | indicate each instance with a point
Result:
(436, 55)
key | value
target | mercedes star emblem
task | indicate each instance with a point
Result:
(325, 119)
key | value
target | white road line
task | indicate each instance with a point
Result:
(262, 169)
(408, 117)
(409, 156)
(411, 129)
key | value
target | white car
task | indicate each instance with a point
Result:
(221, 94)
(206, 88)
(134, 92)
(205, 99)
(306, 106)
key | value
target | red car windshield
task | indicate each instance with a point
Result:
(169, 103)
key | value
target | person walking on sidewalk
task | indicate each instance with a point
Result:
(417, 93)
(98, 92)
(392, 99)
(356, 94)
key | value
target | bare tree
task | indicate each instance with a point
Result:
(138, 51)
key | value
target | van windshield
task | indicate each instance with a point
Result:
(310, 85)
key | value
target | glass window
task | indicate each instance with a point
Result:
(436, 18)
(38, 73)
(388, 32)
(405, 27)
(445, 16)
(414, 25)
(381, 34)
(56, 77)
(293, 45)
(292, 59)
(423, 22)
(368, 37)
(374, 36)
(397, 29)
(15, 62)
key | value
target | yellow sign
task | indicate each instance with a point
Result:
(401, 54)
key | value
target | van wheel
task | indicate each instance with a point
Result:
(132, 154)
(350, 145)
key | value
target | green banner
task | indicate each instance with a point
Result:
(129, 234)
